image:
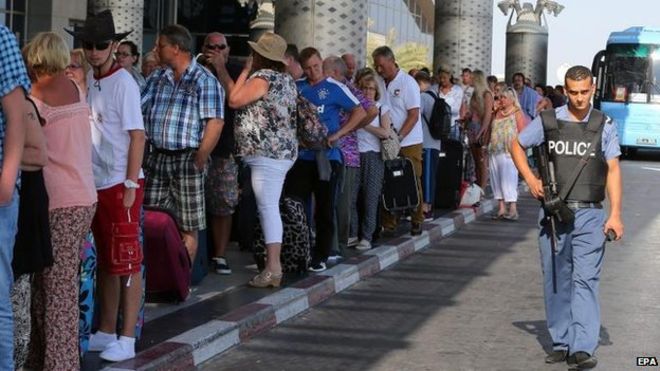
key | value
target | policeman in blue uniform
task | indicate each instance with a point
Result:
(573, 311)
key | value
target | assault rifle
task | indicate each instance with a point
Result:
(555, 208)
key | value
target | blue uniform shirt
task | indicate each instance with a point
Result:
(330, 97)
(533, 136)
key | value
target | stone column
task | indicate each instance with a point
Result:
(463, 35)
(127, 14)
(333, 27)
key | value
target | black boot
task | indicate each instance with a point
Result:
(581, 361)
(556, 356)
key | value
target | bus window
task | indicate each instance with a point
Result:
(628, 73)
(654, 85)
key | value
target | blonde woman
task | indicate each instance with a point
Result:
(72, 197)
(503, 173)
(481, 109)
(77, 69)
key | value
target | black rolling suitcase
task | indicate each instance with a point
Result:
(449, 175)
(400, 190)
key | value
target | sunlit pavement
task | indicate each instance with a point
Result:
(474, 302)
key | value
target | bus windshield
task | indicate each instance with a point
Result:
(633, 73)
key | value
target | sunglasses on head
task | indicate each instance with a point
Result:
(215, 47)
(88, 45)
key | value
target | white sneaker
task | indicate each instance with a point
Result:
(363, 245)
(352, 241)
(119, 350)
(100, 340)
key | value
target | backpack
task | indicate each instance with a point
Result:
(440, 122)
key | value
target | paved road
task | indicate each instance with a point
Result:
(474, 302)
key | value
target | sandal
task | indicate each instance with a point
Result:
(266, 279)
(512, 217)
(497, 216)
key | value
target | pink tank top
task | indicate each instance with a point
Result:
(68, 174)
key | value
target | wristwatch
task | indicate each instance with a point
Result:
(131, 184)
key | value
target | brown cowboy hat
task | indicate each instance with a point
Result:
(270, 46)
(98, 28)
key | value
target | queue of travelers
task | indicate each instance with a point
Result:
(78, 124)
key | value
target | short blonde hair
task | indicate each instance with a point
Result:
(78, 52)
(46, 54)
(369, 79)
(510, 93)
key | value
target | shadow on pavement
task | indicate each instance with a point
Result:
(540, 330)
(356, 328)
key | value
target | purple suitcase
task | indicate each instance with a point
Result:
(166, 258)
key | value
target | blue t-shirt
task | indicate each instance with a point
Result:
(533, 136)
(331, 98)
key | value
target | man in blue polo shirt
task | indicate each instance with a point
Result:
(331, 98)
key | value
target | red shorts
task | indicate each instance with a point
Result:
(116, 236)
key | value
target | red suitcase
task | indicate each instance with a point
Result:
(165, 257)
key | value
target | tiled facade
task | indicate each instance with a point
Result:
(127, 14)
(463, 34)
(333, 27)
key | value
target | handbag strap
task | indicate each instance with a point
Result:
(595, 121)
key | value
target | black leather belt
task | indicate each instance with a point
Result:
(584, 205)
(173, 152)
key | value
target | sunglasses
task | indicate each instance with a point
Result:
(96, 45)
(215, 47)
(73, 66)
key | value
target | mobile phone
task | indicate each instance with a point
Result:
(611, 235)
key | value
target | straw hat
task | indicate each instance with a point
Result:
(270, 46)
(98, 28)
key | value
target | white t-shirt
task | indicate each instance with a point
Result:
(403, 94)
(115, 109)
(367, 141)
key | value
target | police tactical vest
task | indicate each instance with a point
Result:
(567, 143)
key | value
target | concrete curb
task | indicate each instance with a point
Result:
(193, 347)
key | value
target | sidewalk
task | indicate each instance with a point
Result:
(223, 312)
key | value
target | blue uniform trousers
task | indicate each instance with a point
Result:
(573, 313)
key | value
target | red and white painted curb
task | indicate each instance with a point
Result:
(193, 347)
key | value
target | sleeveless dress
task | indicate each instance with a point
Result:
(503, 130)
